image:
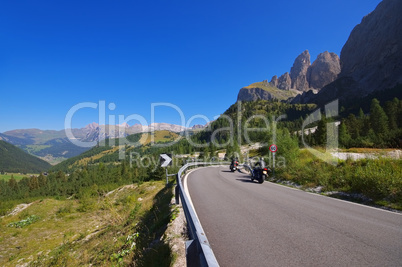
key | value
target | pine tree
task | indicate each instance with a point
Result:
(344, 136)
(320, 134)
(12, 183)
(33, 183)
(310, 138)
(399, 116)
(378, 119)
(353, 126)
(212, 150)
(363, 123)
(42, 180)
(391, 109)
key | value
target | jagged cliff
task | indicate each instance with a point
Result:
(302, 77)
(372, 55)
(298, 72)
(371, 59)
(324, 70)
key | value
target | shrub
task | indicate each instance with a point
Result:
(25, 222)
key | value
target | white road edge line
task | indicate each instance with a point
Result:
(188, 193)
(288, 187)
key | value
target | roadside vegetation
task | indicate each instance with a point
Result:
(369, 181)
(121, 227)
(99, 209)
(375, 181)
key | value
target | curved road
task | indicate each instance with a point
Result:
(251, 224)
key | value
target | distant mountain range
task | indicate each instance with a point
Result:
(54, 146)
(370, 62)
(13, 159)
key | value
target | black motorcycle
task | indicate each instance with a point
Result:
(259, 174)
(234, 165)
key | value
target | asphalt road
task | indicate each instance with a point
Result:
(251, 224)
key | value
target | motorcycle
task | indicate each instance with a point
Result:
(259, 174)
(234, 165)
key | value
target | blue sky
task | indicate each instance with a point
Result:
(193, 54)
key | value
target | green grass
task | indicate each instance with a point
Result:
(53, 160)
(158, 137)
(32, 149)
(380, 180)
(113, 230)
(277, 93)
(17, 176)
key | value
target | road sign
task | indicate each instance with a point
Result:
(273, 148)
(165, 160)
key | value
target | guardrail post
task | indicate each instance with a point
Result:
(177, 194)
(192, 254)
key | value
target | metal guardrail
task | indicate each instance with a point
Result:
(248, 166)
(198, 250)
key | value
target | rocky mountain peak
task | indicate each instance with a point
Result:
(371, 59)
(197, 126)
(324, 70)
(298, 71)
(284, 82)
(302, 77)
(124, 125)
(274, 81)
(92, 126)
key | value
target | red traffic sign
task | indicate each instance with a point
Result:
(273, 148)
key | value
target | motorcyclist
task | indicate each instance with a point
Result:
(259, 165)
(234, 163)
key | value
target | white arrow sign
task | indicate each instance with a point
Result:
(165, 160)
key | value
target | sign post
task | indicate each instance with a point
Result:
(165, 160)
(273, 148)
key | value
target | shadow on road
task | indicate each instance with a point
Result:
(246, 181)
(225, 171)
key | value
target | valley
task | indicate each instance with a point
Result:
(98, 194)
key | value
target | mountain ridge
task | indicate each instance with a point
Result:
(302, 77)
(371, 59)
(14, 159)
(263, 90)
(54, 146)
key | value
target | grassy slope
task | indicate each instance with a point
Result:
(98, 152)
(158, 137)
(275, 92)
(92, 230)
(13, 159)
(16, 176)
